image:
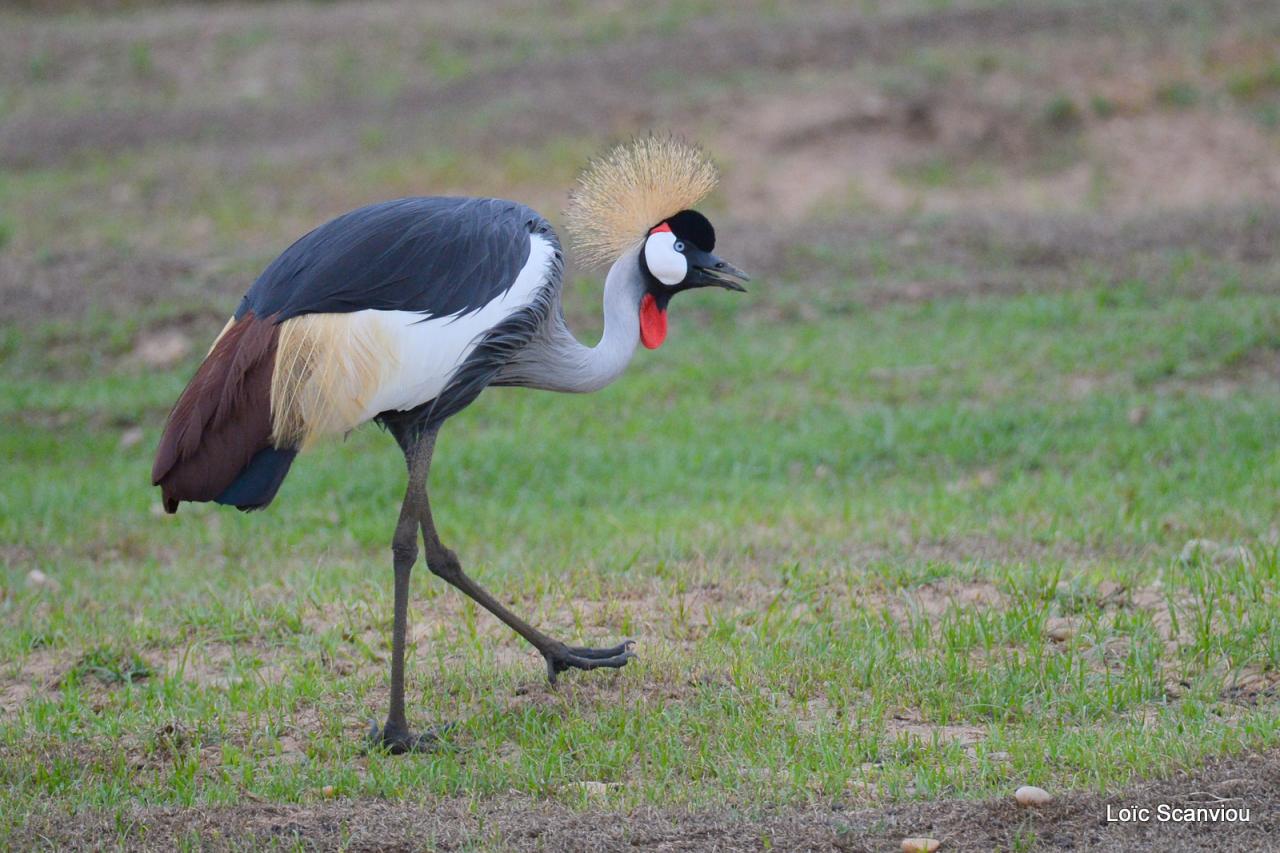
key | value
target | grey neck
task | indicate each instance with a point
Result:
(555, 361)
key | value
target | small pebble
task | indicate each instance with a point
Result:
(1195, 547)
(37, 579)
(1061, 633)
(1108, 590)
(1251, 680)
(920, 845)
(1030, 795)
(1216, 553)
(130, 437)
(1236, 555)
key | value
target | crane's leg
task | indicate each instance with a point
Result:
(444, 563)
(395, 735)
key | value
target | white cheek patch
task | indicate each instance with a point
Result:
(667, 265)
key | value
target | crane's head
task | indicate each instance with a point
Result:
(639, 196)
(677, 256)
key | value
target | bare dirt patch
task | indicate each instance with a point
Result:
(41, 669)
(909, 724)
(995, 253)
(71, 283)
(220, 664)
(1030, 140)
(1218, 159)
(1073, 821)
(581, 92)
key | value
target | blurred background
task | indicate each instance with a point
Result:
(1013, 337)
(152, 151)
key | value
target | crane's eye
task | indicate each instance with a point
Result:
(662, 255)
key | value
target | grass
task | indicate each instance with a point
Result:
(880, 536)
(842, 544)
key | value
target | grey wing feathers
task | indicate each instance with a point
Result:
(436, 256)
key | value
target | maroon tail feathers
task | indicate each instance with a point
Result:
(222, 419)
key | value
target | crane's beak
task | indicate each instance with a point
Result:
(709, 271)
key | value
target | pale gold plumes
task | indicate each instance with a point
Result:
(632, 188)
(328, 367)
(230, 323)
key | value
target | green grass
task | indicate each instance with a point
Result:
(842, 545)
(878, 538)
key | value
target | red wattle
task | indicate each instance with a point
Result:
(653, 323)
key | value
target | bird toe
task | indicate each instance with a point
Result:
(614, 658)
(401, 742)
(625, 647)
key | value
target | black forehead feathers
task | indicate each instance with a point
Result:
(692, 227)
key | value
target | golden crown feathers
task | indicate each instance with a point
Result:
(636, 185)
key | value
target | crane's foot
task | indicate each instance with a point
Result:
(580, 657)
(398, 741)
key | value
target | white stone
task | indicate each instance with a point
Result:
(37, 579)
(593, 789)
(1030, 795)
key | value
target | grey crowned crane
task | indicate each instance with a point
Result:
(402, 313)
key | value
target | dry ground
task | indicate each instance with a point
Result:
(886, 166)
(1076, 821)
